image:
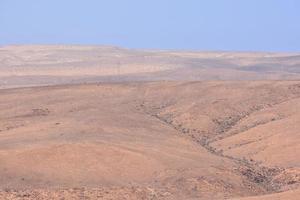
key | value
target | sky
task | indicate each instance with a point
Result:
(233, 25)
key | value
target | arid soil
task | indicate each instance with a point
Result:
(101, 122)
(51, 65)
(151, 140)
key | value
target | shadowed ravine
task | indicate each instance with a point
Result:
(253, 171)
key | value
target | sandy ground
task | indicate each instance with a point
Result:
(101, 122)
(155, 140)
(52, 65)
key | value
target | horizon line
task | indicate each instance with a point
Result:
(148, 49)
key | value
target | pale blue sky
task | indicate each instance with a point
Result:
(256, 25)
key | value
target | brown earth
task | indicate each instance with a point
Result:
(114, 123)
(151, 140)
(50, 65)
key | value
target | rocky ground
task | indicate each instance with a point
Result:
(151, 140)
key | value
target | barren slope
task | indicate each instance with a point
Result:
(48, 65)
(290, 195)
(156, 140)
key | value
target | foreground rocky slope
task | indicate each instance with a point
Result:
(156, 140)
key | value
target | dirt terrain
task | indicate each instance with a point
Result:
(92, 122)
(155, 140)
(52, 64)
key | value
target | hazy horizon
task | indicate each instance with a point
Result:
(149, 49)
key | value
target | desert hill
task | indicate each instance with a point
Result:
(53, 64)
(151, 140)
(103, 122)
